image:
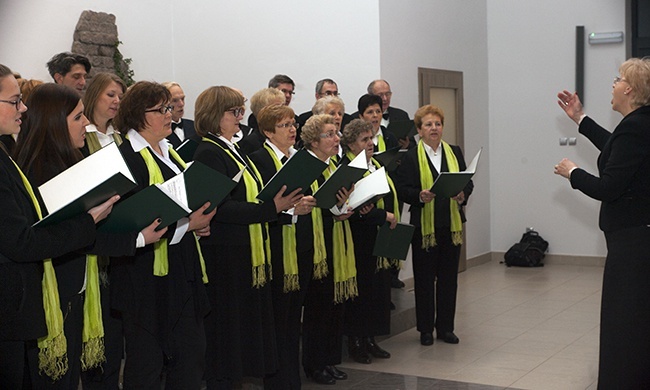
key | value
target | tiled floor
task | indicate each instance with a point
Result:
(520, 328)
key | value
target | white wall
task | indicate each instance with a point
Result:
(449, 35)
(531, 58)
(201, 43)
(515, 56)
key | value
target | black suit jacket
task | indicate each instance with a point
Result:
(623, 184)
(407, 184)
(188, 130)
(230, 225)
(389, 139)
(22, 249)
(155, 302)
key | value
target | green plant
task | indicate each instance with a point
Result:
(122, 66)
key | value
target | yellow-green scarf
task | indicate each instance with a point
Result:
(384, 262)
(92, 353)
(289, 252)
(426, 216)
(381, 144)
(320, 250)
(92, 140)
(345, 270)
(52, 356)
(161, 260)
(259, 259)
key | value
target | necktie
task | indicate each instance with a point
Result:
(385, 115)
(284, 159)
(175, 125)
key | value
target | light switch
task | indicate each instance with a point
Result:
(573, 140)
(563, 141)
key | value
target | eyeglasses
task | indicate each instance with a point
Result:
(16, 102)
(287, 125)
(331, 134)
(286, 91)
(383, 95)
(330, 93)
(237, 111)
(162, 110)
(618, 79)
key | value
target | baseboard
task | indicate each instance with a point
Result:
(588, 261)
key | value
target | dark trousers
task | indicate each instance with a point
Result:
(14, 366)
(184, 365)
(287, 316)
(107, 377)
(435, 273)
(73, 317)
(322, 328)
(625, 311)
(287, 312)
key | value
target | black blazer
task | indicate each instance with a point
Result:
(252, 142)
(623, 184)
(407, 184)
(22, 249)
(230, 224)
(156, 302)
(188, 130)
(389, 139)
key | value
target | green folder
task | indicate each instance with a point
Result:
(299, 171)
(172, 200)
(187, 149)
(390, 157)
(393, 243)
(117, 184)
(401, 129)
(204, 184)
(343, 177)
(450, 184)
(141, 209)
(86, 184)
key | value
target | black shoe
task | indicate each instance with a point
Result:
(396, 283)
(448, 337)
(426, 338)
(375, 350)
(357, 350)
(321, 377)
(336, 373)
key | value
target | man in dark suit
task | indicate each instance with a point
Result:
(182, 128)
(324, 87)
(381, 88)
(69, 69)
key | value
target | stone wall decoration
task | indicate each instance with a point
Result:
(96, 37)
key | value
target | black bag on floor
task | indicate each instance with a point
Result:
(528, 252)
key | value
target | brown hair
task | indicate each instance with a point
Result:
(27, 86)
(4, 72)
(97, 85)
(138, 98)
(429, 109)
(44, 148)
(269, 116)
(264, 97)
(210, 107)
